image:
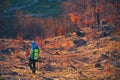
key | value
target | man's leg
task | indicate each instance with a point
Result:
(34, 67)
(30, 64)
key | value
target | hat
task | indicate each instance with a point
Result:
(33, 43)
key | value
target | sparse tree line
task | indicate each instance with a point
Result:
(29, 27)
(78, 13)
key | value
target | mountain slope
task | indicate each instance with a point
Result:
(69, 57)
(35, 8)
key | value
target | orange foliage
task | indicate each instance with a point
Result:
(91, 35)
(40, 42)
(86, 22)
(74, 17)
(67, 44)
(19, 37)
(60, 31)
(110, 19)
(118, 31)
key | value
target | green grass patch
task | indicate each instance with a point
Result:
(19, 3)
(50, 8)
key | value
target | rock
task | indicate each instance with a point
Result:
(105, 28)
(79, 43)
(85, 60)
(73, 66)
(21, 58)
(72, 49)
(104, 56)
(103, 22)
(14, 73)
(2, 40)
(116, 64)
(99, 60)
(97, 65)
(2, 59)
(108, 29)
(7, 51)
(80, 33)
(105, 61)
(19, 67)
(115, 39)
(48, 79)
(48, 67)
(56, 53)
(94, 52)
(103, 34)
(82, 74)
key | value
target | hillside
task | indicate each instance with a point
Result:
(33, 18)
(68, 57)
(35, 8)
(78, 39)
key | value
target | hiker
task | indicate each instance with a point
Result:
(33, 54)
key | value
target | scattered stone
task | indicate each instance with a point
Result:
(105, 61)
(109, 78)
(73, 66)
(104, 56)
(2, 58)
(48, 79)
(47, 67)
(103, 22)
(5, 51)
(8, 50)
(99, 60)
(72, 49)
(2, 40)
(107, 28)
(115, 39)
(21, 58)
(94, 52)
(80, 33)
(82, 74)
(19, 67)
(79, 43)
(116, 64)
(85, 60)
(103, 34)
(56, 53)
(14, 73)
(98, 65)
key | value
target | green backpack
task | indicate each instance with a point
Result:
(34, 54)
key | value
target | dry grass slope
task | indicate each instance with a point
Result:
(61, 59)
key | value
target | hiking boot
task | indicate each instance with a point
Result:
(33, 71)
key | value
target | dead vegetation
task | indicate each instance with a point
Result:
(62, 58)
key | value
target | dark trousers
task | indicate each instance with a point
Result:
(32, 65)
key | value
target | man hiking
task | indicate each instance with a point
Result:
(33, 54)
